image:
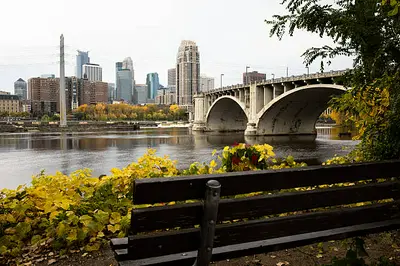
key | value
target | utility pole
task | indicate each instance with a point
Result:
(308, 70)
(63, 106)
(247, 67)
(287, 71)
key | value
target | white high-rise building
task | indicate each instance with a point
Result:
(92, 72)
(187, 73)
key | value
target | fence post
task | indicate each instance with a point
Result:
(207, 231)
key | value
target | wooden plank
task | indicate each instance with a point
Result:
(119, 243)
(263, 246)
(155, 190)
(153, 245)
(188, 215)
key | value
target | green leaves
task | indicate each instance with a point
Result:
(85, 219)
(115, 218)
(101, 216)
(369, 31)
(23, 229)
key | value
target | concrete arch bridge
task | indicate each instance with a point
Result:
(286, 106)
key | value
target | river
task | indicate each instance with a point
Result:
(25, 154)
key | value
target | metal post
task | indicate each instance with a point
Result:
(247, 81)
(63, 106)
(210, 211)
(221, 79)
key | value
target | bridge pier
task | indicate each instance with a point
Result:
(199, 123)
(268, 94)
(256, 103)
(278, 89)
(251, 129)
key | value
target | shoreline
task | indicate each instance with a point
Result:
(85, 126)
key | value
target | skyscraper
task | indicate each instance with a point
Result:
(142, 93)
(172, 79)
(124, 85)
(20, 89)
(128, 64)
(118, 66)
(187, 73)
(81, 59)
(153, 84)
(92, 72)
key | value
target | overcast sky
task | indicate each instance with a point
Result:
(230, 34)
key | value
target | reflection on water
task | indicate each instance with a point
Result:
(22, 155)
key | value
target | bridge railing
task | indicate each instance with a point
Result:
(330, 74)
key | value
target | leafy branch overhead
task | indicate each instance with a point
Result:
(369, 32)
(357, 28)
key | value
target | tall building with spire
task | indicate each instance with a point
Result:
(127, 64)
(187, 73)
(125, 82)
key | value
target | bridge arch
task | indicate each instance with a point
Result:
(227, 114)
(296, 111)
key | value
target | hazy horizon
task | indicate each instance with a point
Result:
(230, 37)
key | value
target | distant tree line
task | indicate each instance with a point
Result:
(14, 114)
(151, 112)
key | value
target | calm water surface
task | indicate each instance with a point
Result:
(25, 154)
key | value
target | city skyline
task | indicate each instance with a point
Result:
(227, 46)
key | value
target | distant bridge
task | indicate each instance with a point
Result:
(281, 106)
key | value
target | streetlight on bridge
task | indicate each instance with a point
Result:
(247, 67)
(273, 77)
(221, 79)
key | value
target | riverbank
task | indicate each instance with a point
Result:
(72, 126)
(86, 126)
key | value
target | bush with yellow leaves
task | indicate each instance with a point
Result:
(61, 212)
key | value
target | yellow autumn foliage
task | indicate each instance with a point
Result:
(124, 111)
(61, 212)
